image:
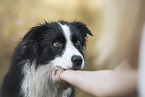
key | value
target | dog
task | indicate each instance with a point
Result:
(45, 48)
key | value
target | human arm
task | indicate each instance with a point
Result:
(119, 82)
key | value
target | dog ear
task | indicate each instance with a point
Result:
(83, 28)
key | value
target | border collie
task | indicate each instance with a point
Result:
(45, 48)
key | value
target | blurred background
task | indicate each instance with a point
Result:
(115, 24)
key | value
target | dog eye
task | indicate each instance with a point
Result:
(57, 44)
(78, 43)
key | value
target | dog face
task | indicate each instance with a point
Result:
(58, 44)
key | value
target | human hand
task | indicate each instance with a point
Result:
(58, 81)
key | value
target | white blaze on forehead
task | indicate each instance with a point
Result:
(66, 32)
(65, 60)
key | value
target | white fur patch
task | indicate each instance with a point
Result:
(67, 92)
(65, 60)
(38, 82)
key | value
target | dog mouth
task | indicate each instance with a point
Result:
(73, 68)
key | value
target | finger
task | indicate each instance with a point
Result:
(57, 80)
(53, 76)
(56, 76)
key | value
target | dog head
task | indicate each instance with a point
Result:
(58, 43)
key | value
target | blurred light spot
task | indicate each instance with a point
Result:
(14, 39)
(19, 23)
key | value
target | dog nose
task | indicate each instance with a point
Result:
(76, 60)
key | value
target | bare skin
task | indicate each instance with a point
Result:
(119, 82)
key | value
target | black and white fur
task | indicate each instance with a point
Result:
(44, 49)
